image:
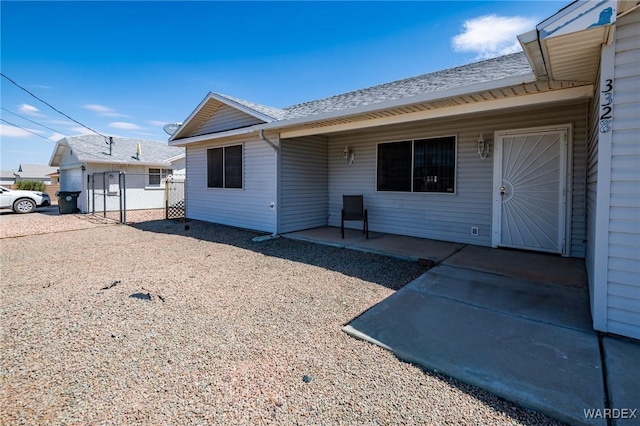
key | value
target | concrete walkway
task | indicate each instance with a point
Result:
(516, 324)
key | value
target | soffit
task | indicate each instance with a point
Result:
(513, 92)
(576, 56)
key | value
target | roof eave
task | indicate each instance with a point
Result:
(212, 136)
(123, 162)
(395, 103)
(59, 146)
(531, 48)
(570, 41)
(177, 135)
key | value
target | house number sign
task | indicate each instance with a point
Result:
(606, 106)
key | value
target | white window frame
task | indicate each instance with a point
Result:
(163, 176)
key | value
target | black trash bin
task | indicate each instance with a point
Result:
(68, 202)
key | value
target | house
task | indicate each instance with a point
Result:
(31, 172)
(93, 165)
(35, 172)
(538, 150)
(7, 177)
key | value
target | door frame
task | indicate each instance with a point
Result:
(565, 190)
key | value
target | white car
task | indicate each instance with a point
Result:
(23, 201)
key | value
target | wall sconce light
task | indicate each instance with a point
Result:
(348, 155)
(83, 168)
(483, 147)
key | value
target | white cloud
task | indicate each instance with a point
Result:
(492, 35)
(104, 111)
(125, 126)
(157, 123)
(80, 130)
(29, 109)
(9, 131)
(56, 137)
(98, 108)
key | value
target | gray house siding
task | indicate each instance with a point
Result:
(226, 118)
(249, 207)
(304, 179)
(623, 301)
(592, 191)
(449, 216)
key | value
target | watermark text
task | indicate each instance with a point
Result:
(611, 413)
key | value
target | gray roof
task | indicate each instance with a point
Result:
(512, 65)
(35, 171)
(275, 113)
(8, 174)
(93, 148)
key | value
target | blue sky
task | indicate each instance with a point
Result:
(127, 68)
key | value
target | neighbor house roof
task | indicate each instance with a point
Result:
(8, 174)
(95, 149)
(34, 171)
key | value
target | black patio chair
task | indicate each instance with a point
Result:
(353, 209)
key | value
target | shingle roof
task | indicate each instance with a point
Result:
(35, 171)
(512, 65)
(275, 113)
(489, 70)
(8, 174)
(93, 148)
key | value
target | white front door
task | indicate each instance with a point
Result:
(530, 189)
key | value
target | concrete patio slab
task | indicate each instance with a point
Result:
(398, 246)
(558, 305)
(448, 322)
(547, 268)
(622, 360)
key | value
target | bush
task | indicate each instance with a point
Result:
(30, 185)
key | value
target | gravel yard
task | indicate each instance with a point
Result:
(157, 324)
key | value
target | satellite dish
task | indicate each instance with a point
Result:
(171, 128)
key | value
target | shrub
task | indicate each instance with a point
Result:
(30, 185)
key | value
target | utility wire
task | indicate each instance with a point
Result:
(52, 107)
(34, 122)
(26, 130)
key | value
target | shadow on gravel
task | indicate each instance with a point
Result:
(386, 271)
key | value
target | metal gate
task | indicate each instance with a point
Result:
(175, 200)
(136, 196)
(107, 195)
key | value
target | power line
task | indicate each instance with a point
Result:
(34, 122)
(26, 130)
(52, 107)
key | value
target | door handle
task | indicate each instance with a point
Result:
(502, 189)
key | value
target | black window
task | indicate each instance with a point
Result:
(394, 166)
(434, 165)
(422, 165)
(224, 167)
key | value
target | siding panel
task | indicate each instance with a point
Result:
(249, 207)
(304, 183)
(226, 118)
(623, 312)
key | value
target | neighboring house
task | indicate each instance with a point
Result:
(89, 163)
(55, 178)
(537, 150)
(7, 177)
(35, 172)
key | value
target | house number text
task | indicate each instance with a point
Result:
(606, 106)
